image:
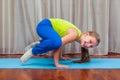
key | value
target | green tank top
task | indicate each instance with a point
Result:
(61, 26)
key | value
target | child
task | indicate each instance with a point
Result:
(55, 33)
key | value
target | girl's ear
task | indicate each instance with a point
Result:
(86, 34)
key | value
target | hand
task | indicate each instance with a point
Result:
(56, 59)
(65, 58)
(62, 66)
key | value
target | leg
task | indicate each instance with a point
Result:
(33, 44)
(28, 54)
(45, 46)
(50, 40)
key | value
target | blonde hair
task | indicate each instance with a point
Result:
(95, 35)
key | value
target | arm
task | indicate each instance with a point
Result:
(71, 36)
(84, 56)
(56, 59)
(63, 57)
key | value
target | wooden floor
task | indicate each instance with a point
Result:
(78, 74)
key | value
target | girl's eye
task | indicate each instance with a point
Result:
(90, 41)
(91, 46)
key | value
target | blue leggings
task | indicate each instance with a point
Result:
(50, 38)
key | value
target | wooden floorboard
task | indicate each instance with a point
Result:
(76, 74)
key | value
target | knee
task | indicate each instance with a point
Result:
(55, 44)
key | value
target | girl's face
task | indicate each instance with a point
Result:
(88, 41)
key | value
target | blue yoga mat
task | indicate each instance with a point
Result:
(48, 63)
